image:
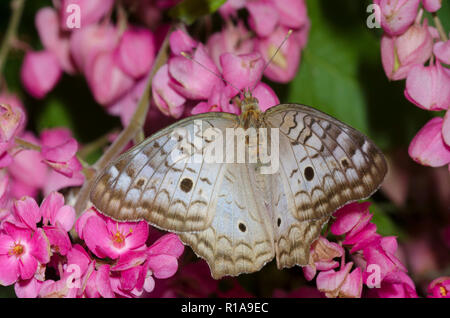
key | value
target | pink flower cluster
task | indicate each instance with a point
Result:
(374, 261)
(33, 164)
(115, 263)
(236, 56)
(114, 60)
(415, 51)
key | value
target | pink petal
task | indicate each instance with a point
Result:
(163, 266)
(309, 272)
(50, 206)
(91, 11)
(330, 282)
(136, 52)
(27, 266)
(263, 17)
(397, 16)
(130, 259)
(181, 42)
(352, 286)
(292, 13)
(442, 51)
(428, 87)
(168, 101)
(9, 270)
(6, 242)
(81, 222)
(56, 181)
(266, 96)
(107, 81)
(243, 71)
(348, 217)
(40, 248)
(61, 153)
(128, 278)
(192, 80)
(78, 256)
(428, 147)
(28, 288)
(96, 235)
(40, 72)
(139, 235)
(103, 283)
(58, 238)
(446, 128)
(361, 239)
(65, 217)
(432, 5)
(27, 211)
(168, 244)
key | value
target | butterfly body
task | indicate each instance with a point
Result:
(233, 215)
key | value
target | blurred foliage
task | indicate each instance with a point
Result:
(188, 11)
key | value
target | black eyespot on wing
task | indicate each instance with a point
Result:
(309, 173)
(186, 185)
(242, 227)
(278, 222)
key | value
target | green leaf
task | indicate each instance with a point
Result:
(385, 225)
(188, 11)
(328, 77)
(54, 114)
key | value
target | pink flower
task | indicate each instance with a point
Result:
(59, 151)
(432, 5)
(340, 283)
(428, 87)
(168, 101)
(108, 238)
(12, 119)
(88, 42)
(136, 52)
(285, 63)
(321, 257)
(27, 213)
(292, 13)
(27, 170)
(263, 16)
(55, 41)
(428, 147)
(55, 213)
(243, 71)
(232, 39)
(190, 79)
(180, 42)
(40, 72)
(439, 288)
(400, 54)
(106, 79)
(266, 96)
(29, 288)
(397, 15)
(91, 11)
(219, 101)
(397, 285)
(20, 252)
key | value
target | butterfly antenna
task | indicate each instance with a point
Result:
(276, 52)
(212, 72)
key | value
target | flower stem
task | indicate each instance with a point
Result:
(440, 27)
(11, 32)
(128, 134)
(26, 145)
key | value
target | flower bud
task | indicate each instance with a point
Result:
(40, 72)
(107, 81)
(432, 5)
(263, 17)
(284, 64)
(136, 52)
(428, 87)
(166, 98)
(181, 42)
(397, 15)
(47, 25)
(428, 147)
(400, 54)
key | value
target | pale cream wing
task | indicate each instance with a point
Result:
(324, 163)
(292, 238)
(240, 238)
(164, 180)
